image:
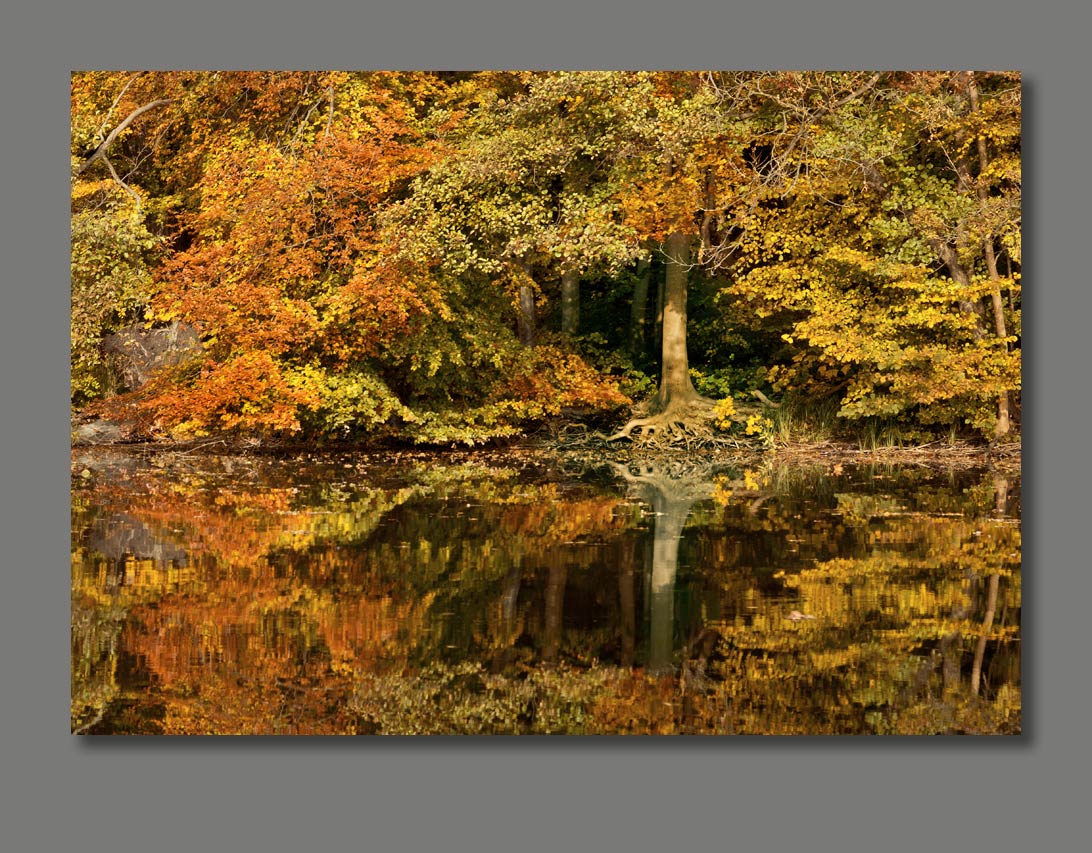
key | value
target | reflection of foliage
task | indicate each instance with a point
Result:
(335, 595)
(465, 699)
(885, 622)
(95, 634)
(334, 565)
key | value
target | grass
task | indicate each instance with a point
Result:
(800, 422)
(803, 422)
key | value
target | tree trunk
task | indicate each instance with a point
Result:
(570, 303)
(675, 384)
(950, 257)
(639, 311)
(680, 413)
(1003, 424)
(526, 321)
(658, 322)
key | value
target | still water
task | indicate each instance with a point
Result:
(508, 593)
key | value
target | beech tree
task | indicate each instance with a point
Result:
(684, 189)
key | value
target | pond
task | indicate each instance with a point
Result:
(517, 593)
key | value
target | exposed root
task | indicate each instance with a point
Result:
(688, 424)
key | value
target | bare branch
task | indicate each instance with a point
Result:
(120, 182)
(100, 152)
(330, 116)
(117, 100)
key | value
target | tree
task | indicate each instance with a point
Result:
(112, 253)
(112, 250)
(684, 183)
(995, 185)
(868, 197)
(286, 236)
(527, 192)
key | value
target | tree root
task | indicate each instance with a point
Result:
(689, 424)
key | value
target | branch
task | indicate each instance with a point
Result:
(100, 152)
(856, 93)
(763, 398)
(117, 100)
(330, 116)
(120, 182)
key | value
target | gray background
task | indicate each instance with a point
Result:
(62, 793)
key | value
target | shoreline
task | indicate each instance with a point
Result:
(940, 454)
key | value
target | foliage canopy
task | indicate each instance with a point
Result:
(359, 251)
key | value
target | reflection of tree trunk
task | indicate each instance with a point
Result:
(987, 623)
(639, 310)
(670, 518)
(627, 602)
(570, 303)
(951, 646)
(555, 601)
(951, 650)
(511, 593)
(1001, 493)
(670, 494)
(503, 655)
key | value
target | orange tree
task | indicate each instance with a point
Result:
(269, 194)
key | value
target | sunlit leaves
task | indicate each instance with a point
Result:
(855, 263)
(380, 225)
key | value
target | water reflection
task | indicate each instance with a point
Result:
(496, 594)
(670, 492)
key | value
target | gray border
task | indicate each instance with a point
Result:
(119, 794)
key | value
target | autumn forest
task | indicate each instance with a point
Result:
(513, 402)
(443, 258)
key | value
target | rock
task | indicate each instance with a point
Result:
(98, 432)
(139, 351)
